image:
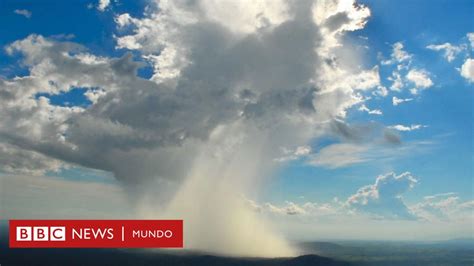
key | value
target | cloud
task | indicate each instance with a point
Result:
(372, 210)
(397, 101)
(384, 197)
(102, 5)
(381, 91)
(306, 209)
(420, 78)
(470, 37)
(397, 82)
(364, 80)
(450, 51)
(467, 70)
(164, 116)
(444, 207)
(398, 55)
(289, 209)
(16, 160)
(43, 197)
(228, 89)
(364, 108)
(290, 155)
(381, 201)
(406, 128)
(24, 12)
(363, 133)
(339, 155)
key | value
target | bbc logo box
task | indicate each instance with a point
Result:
(95, 233)
(41, 233)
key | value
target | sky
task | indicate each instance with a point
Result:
(304, 120)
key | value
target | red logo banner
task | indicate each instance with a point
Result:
(96, 233)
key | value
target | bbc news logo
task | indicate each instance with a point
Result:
(96, 234)
(40, 233)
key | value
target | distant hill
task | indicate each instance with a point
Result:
(140, 257)
(115, 257)
(374, 253)
(380, 253)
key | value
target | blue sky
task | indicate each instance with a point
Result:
(438, 153)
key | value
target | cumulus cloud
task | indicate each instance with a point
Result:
(166, 111)
(23, 12)
(384, 197)
(467, 70)
(380, 201)
(381, 91)
(372, 210)
(444, 207)
(102, 5)
(397, 81)
(228, 89)
(420, 78)
(399, 55)
(397, 101)
(405, 74)
(449, 51)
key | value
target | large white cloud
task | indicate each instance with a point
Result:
(467, 70)
(384, 197)
(261, 70)
(228, 91)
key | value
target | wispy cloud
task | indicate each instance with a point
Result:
(399, 55)
(449, 51)
(364, 108)
(339, 155)
(23, 12)
(397, 101)
(406, 128)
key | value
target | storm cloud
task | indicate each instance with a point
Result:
(227, 92)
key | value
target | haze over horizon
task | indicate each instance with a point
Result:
(266, 121)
